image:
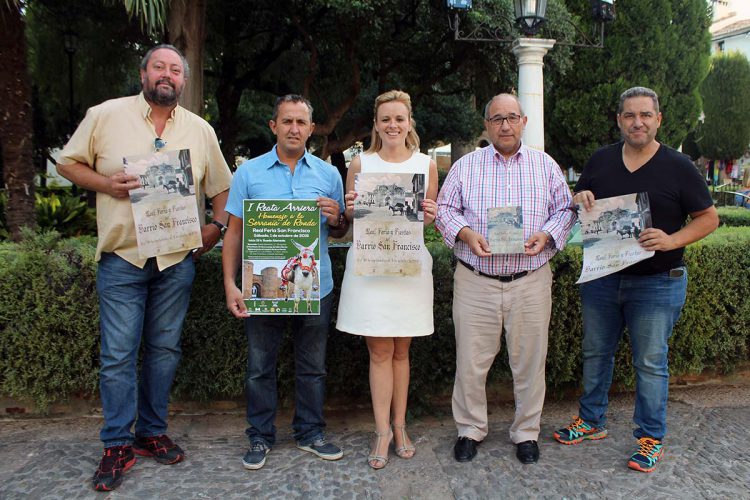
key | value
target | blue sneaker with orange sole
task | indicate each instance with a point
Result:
(650, 451)
(577, 431)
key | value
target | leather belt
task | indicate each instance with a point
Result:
(503, 278)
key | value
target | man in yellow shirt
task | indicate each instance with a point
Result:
(142, 298)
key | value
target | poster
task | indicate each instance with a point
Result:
(280, 257)
(505, 230)
(165, 209)
(388, 224)
(610, 234)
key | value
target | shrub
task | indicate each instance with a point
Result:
(734, 216)
(56, 211)
(432, 235)
(48, 318)
(49, 340)
(65, 213)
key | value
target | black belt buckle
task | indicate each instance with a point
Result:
(502, 278)
(511, 277)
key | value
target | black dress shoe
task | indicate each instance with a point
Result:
(465, 449)
(527, 452)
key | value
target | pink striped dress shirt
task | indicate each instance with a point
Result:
(485, 179)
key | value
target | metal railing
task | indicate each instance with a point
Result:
(723, 197)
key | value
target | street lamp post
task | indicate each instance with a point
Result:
(530, 52)
(530, 15)
(70, 42)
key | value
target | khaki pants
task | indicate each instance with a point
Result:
(482, 309)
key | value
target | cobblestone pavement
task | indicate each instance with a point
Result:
(707, 456)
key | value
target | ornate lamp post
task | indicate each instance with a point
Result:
(530, 52)
(70, 42)
(530, 15)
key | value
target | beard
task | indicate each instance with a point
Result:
(159, 95)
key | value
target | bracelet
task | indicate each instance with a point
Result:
(222, 227)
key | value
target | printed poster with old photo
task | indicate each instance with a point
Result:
(388, 224)
(505, 230)
(281, 257)
(164, 206)
(610, 234)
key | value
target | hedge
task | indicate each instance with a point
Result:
(734, 216)
(49, 337)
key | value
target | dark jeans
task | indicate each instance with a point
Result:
(264, 335)
(137, 305)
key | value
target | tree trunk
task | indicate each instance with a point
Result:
(339, 161)
(459, 149)
(228, 98)
(228, 102)
(16, 128)
(186, 25)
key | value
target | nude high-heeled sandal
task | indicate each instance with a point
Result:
(374, 460)
(404, 451)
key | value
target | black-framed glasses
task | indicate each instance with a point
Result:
(159, 143)
(497, 120)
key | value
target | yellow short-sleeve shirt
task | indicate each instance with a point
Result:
(122, 127)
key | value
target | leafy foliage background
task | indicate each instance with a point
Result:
(725, 132)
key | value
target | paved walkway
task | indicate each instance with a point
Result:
(707, 456)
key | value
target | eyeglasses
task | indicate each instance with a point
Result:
(497, 120)
(160, 143)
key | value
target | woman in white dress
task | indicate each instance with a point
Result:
(389, 310)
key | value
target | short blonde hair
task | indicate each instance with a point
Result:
(412, 139)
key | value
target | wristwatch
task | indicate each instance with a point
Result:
(342, 220)
(222, 227)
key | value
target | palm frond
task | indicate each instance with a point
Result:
(152, 14)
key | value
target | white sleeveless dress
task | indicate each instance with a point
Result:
(388, 306)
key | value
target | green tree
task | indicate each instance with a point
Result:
(16, 125)
(105, 62)
(342, 54)
(725, 132)
(661, 44)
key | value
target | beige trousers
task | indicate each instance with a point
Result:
(482, 309)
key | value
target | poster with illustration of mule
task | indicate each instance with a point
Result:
(280, 257)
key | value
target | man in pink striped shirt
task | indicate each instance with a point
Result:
(495, 291)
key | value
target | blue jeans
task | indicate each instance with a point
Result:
(648, 306)
(139, 304)
(264, 335)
